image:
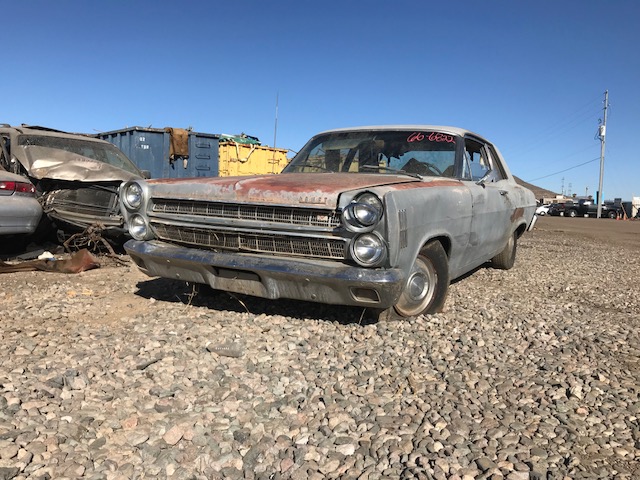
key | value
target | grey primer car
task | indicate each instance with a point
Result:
(20, 212)
(378, 217)
(77, 177)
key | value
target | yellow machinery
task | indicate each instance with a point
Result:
(249, 159)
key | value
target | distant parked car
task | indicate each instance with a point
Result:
(20, 212)
(589, 208)
(560, 208)
(76, 177)
(542, 210)
(378, 217)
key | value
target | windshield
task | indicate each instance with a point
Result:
(414, 152)
(44, 146)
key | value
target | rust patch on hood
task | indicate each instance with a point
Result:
(320, 189)
(317, 189)
(449, 182)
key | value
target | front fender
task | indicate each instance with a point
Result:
(414, 217)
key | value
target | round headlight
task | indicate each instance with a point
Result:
(138, 227)
(370, 199)
(364, 212)
(133, 195)
(368, 249)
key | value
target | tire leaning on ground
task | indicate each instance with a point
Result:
(426, 288)
(507, 257)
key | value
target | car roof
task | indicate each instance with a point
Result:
(417, 127)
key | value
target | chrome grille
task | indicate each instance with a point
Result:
(97, 202)
(252, 242)
(282, 215)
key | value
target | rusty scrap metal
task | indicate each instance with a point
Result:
(80, 261)
(91, 239)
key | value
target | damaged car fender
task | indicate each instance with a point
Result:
(76, 177)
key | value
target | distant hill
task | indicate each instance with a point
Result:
(537, 191)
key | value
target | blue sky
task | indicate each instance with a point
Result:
(528, 75)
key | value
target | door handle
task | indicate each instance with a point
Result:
(504, 192)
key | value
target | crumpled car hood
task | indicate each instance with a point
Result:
(287, 188)
(71, 167)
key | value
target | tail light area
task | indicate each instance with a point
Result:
(19, 188)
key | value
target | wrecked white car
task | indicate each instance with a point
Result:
(76, 176)
(378, 217)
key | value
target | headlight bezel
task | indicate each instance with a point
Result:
(363, 213)
(371, 241)
(138, 227)
(133, 201)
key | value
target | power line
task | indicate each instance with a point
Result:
(577, 118)
(565, 170)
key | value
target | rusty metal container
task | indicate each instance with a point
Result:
(168, 152)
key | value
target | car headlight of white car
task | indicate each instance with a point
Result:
(368, 250)
(363, 213)
(139, 227)
(133, 196)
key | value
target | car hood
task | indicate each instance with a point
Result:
(321, 189)
(71, 167)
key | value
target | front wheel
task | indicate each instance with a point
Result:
(613, 215)
(507, 257)
(426, 288)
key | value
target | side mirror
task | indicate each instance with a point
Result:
(483, 179)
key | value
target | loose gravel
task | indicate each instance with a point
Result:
(531, 373)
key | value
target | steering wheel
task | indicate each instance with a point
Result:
(415, 166)
(433, 168)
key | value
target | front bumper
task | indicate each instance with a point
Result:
(269, 276)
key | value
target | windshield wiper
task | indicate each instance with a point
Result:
(312, 166)
(391, 170)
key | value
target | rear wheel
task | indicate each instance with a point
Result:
(507, 257)
(426, 288)
(572, 213)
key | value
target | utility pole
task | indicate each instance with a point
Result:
(602, 132)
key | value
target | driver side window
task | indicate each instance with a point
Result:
(476, 162)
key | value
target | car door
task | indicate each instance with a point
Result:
(491, 207)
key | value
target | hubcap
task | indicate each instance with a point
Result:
(419, 290)
(417, 287)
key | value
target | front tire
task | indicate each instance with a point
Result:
(507, 257)
(426, 288)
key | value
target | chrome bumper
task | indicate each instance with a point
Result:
(270, 276)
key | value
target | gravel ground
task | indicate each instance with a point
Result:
(529, 373)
